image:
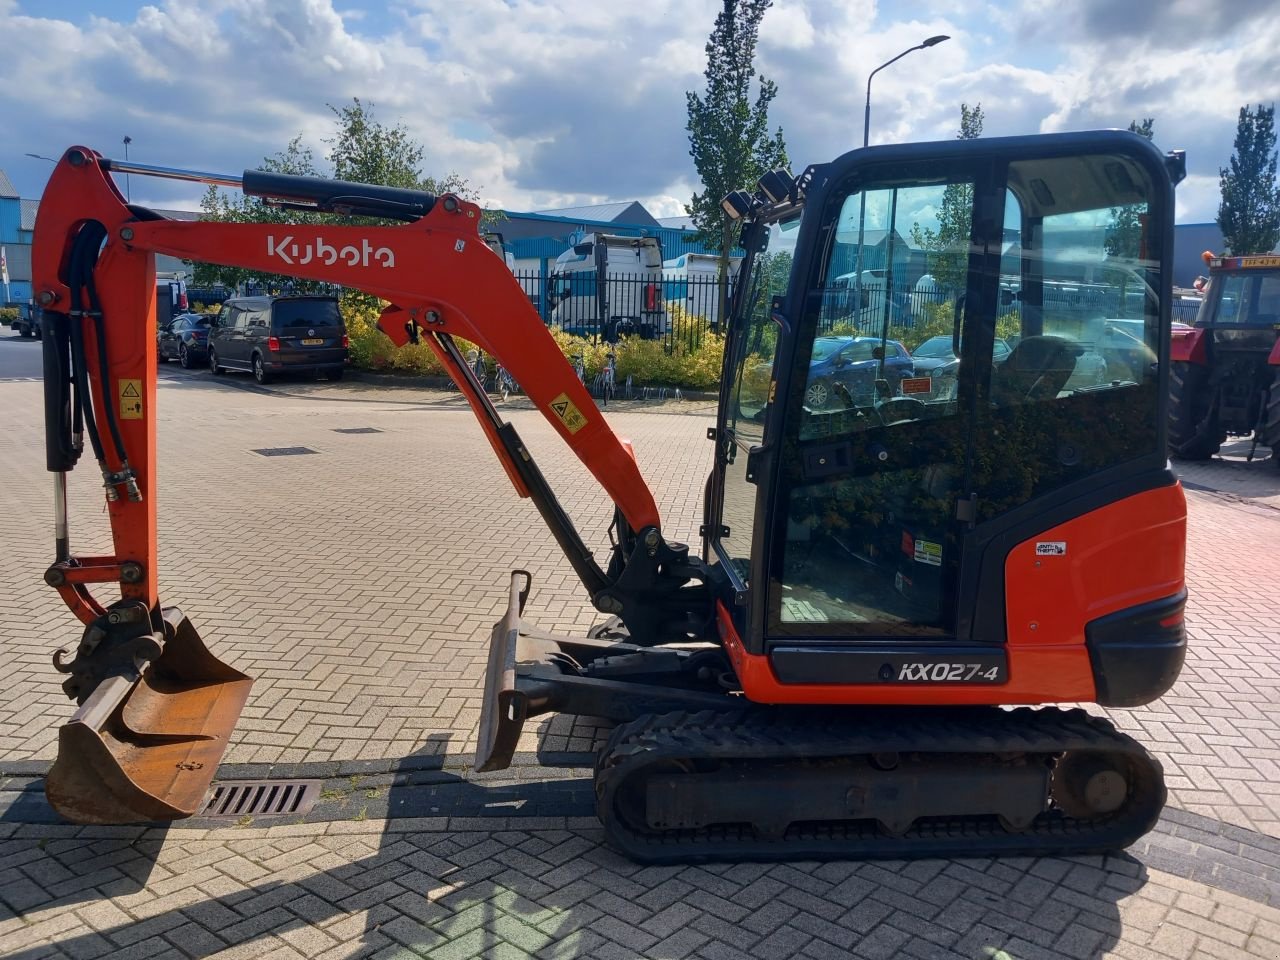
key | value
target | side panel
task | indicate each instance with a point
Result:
(1120, 556)
(1044, 674)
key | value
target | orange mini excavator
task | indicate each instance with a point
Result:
(894, 567)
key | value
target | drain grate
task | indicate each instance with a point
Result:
(284, 451)
(261, 798)
(356, 430)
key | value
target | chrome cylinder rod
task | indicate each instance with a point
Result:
(170, 173)
(61, 534)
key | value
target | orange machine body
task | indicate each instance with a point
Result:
(1120, 556)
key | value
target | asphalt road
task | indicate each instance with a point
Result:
(19, 359)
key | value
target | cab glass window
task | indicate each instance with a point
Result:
(1076, 392)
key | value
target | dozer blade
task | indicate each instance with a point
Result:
(148, 749)
(504, 708)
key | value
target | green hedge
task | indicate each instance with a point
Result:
(687, 360)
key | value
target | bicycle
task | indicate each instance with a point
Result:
(504, 383)
(580, 367)
(605, 385)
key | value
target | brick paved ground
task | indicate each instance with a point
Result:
(359, 584)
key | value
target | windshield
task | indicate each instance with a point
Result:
(824, 347)
(934, 347)
(289, 315)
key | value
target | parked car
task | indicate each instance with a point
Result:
(848, 367)
(27, 322)
(184, 338)
(936, 359)
(268, 336)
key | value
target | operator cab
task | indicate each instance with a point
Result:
(881, 519)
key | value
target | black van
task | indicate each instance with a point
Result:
(271, 335)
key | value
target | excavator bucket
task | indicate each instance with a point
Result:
(147, 749)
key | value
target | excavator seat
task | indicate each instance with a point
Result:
(1036, 369)
(147, 748)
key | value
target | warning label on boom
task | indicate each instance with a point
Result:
(130, 399)
(569, 415)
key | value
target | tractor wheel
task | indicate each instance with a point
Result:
(1271, 420)
(1194, 433)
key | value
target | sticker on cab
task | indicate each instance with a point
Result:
(1051, 548)
(568, 414)
(130, 399)
(912, 385)
(928, 552)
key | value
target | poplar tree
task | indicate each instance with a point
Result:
(729, 136)
(1123, 237)
(948, 246)
(1249, 215)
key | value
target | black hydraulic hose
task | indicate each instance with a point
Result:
(79, 364)
(99, 326)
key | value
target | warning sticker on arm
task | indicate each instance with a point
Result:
(568, 414)
(130, 399)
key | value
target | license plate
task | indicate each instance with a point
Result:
(313, 343)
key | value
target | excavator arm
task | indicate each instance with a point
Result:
(156, 707)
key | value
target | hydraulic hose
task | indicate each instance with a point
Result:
(83, 260)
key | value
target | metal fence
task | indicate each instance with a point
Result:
(668, 307)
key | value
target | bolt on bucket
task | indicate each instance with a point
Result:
(147, 739)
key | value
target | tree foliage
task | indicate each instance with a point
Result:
(362, 150)
(947, 248)
(1123, 237)
(729, 136)
(1249, 215)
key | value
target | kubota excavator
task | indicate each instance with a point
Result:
(885, 587)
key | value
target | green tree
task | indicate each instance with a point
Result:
(1123, 236)
(729, 136)
(947, 248)
(1249, 215)
(362, 150)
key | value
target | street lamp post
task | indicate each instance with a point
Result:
(866, 133)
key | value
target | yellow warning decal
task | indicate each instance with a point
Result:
(130, 399)
(569, 415)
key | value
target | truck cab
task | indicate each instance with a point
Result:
(27, 322)
(610, 286)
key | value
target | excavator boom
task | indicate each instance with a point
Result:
(156, 708)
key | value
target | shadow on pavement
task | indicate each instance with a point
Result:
(483, 865)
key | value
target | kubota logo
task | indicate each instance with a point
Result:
(291, 252)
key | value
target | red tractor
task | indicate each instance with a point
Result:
(1225, 377)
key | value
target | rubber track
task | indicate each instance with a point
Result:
(771, 735)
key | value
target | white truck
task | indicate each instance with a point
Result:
(171, 297)
(692, 280)
(610, 286)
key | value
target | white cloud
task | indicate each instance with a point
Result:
(558, 102)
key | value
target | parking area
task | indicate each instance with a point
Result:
(358, 578)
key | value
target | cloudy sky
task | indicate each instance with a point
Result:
(550, 103)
